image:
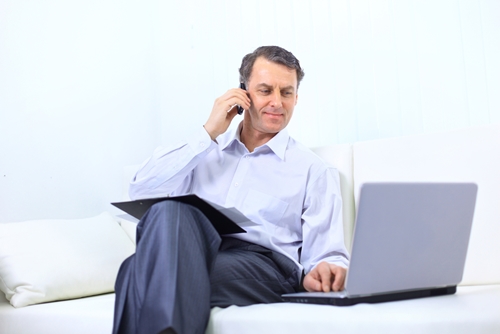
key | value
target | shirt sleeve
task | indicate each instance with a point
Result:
(169, 170)
(322, 224)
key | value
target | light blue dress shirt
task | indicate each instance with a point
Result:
(292, 195)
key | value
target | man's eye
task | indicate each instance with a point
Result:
(264, 91)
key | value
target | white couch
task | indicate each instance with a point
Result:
(471, 155)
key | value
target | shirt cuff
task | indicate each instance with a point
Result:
(201, 141)
(336, 260)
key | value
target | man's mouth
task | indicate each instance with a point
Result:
(273, 115)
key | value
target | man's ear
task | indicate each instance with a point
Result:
(296, 98)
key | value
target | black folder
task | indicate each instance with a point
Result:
(225, 220)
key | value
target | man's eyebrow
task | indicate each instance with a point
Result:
(288, 88)
(281, 88)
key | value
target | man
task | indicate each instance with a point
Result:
(182, 267)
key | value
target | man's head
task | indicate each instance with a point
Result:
(274, 54)
(272, 77)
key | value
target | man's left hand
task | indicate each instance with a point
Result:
(325, 277)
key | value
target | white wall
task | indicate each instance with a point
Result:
(78, 101)
(87, 87)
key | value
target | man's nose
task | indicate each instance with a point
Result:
(276, 100)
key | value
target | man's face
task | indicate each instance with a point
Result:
(273, 91)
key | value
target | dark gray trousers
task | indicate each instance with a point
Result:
(182, 268)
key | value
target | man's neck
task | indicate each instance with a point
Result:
(252, 139)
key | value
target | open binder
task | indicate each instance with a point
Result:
(225, 220)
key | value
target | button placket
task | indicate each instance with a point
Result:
(238, 179)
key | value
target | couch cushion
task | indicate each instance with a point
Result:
(90, 315)
(48, 260)
(129, 225)
(466, 155)
(470, 310)
(340, 156)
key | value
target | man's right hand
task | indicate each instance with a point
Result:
(224, 110)
(325, 277)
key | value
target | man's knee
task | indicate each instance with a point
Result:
(156, 220)
(168, 206)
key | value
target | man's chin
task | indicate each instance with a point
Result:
(273, 129)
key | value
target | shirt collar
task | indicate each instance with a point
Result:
(277, 144)
(227, 139)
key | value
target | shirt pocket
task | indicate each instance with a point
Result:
(261, 207)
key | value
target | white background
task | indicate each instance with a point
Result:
(88, 87)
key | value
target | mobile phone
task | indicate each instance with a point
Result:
(240, 109)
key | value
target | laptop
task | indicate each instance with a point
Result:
(410, 241)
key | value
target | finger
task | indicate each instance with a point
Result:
(232, 113)
(243, 98)
(233, 102)
(312, 283)
(233, 108)
(241, 95)
(339, 278)
(325, 277)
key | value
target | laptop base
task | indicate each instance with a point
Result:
(347, 301)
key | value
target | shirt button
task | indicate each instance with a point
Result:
(236, 184)
(202, 144)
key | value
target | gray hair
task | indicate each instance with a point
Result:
(274, 54)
